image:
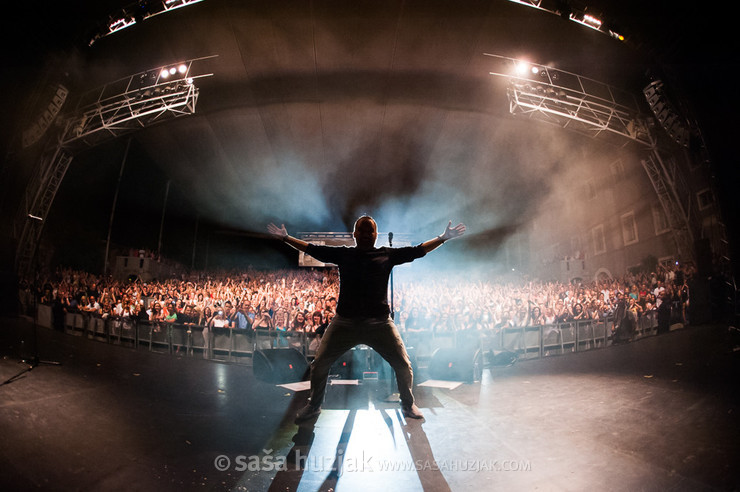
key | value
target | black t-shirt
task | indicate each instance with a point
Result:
(363, 275)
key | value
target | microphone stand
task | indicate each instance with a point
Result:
(34, 360)
(393, 310)
(393, 396)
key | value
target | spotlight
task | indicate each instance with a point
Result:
(173, 71)
(182, 68)
(165, 73)
(535, 70)
(522, 68)
(592, 21)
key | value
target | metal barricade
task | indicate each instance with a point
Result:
(647, 324)
(200, 341)
(97, 328)
(442, 340)
(601, 333)
(144, 334)
(551, 341)
(161, 337)
(230, 344)
(154, 335)
(221, 343)
(512, 339)
(114, 329)
(568, 335)
(297, 340)
(267, 339)
(73, 323)
(422, 342)
(313, 340)
(242, 344)
(585, 335)
(531, 345)
(128, 332)
(179, 337)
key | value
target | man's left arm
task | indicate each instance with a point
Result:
(449, 233)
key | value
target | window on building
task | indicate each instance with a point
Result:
(705, 198)
(667, 261)
(629, 228)
(597, 235)
(575, 246)
(660, 221)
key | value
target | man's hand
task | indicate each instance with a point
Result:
(450, 233)
(453, 232)
(281, 231)
(282, 234)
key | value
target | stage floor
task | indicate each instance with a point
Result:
(660, 413)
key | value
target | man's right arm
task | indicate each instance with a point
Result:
(450, 233)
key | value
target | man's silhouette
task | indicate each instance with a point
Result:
(363, 315)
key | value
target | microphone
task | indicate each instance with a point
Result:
(390, 239)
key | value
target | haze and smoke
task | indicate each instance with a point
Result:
(492, 173)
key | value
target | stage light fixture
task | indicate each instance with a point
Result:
(182, 68)
(563, 9)
(120, 23)
(138, 12)
(592, 21)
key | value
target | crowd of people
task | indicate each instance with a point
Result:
(304, 300)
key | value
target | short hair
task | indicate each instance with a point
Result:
(363, 218)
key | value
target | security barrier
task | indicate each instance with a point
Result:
(236, 345)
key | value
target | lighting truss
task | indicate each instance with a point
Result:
(132, 103)
(667, 182)
(138, 12)
(569, 12)
(591, 107)
(115, 109)
(570, 101)
(36, 204)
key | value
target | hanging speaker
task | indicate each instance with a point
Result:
(279, 366)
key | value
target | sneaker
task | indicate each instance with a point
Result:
(307, 413)
(412, 412)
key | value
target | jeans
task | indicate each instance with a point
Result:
(380, 334)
